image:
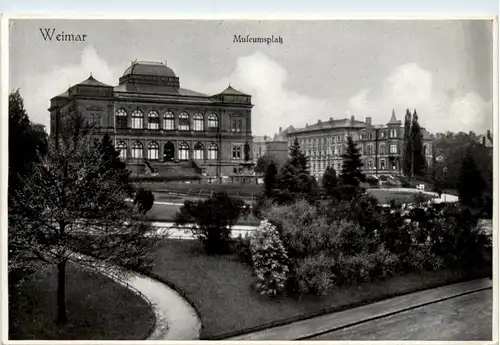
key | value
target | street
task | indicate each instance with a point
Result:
(467, 317)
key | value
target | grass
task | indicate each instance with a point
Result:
(166, 213)
(194, 188)
(220, 286)
(385, 196)
(98, 309)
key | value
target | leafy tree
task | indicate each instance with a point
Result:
(270, 178)
(471, 184)
(262, 164)
(212, 220)
(407, 145)
(329, 180)
(144, 199)
(417, 154)
(71, 205)
(351, 166)
(26, 145)
(297, 158)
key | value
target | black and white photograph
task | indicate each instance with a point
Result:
(258, 180)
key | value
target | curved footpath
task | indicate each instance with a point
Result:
(175, 318)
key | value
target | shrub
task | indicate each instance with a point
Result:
(144, 199)
(314, 275)
(270, 260)
(213, 219)
(241, 247)
(421, 258)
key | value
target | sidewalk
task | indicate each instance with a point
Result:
(329, 322)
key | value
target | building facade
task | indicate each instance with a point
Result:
(158, 126)
(381, 146)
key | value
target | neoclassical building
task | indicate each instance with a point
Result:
(381, 146)
(159, 127)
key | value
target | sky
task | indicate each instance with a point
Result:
(323, 68)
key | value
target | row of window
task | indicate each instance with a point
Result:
(153, 121)
(393, 133)
(321, 166)
(137, 150)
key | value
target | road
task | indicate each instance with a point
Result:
(467, 317)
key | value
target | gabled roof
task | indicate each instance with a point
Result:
(340, 123)
(91, 81)
(230, 91)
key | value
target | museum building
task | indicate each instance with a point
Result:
(159, 127)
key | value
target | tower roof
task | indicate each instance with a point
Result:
(393, 120)
(232, 92)
(91, 81)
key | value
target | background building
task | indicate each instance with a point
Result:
(380, 145)
(161, 128)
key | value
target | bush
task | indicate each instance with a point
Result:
(372, 181)
(213, 219)
(421, 258)
(241, 246)
(144, 199)
(314, 275)
(270, 260)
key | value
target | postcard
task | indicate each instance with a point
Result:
(275, 179)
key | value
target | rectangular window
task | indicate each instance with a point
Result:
(121, 122)
(184, 123)
(394, 148)
(237, 152)
(154, 123)
(382, 164)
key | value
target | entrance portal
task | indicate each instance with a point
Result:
(168, 152)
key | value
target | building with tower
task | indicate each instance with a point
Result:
(159, 127)
(381, 146)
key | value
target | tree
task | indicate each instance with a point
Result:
(262, 164)
(329, 180)
(407, 145)
(270, 178)
(26, 145)
(111, 161)
(212, 220)
(71, 208)
(418, 163)
(471, 184)
(144, 199)
(351, 165)
(294, 180)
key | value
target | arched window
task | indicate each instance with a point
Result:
(184, 151)
(153, 120)
(369, 150)
(183, 121)
(198, 122)
(153, 150)
(168, 121)
(137, 119)
(122, 148)
(137, 150)
(213, 121)
(198, 151)
(213, 151)
(121, 119)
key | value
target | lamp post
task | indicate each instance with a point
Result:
(445, 170)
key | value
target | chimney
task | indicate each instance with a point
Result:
(307, 125)
(352, 118)
(281, 130)
(319, 121)
(368, 121)
(331, 119)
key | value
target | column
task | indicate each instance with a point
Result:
(145, 150)
(145, 120)
(160, 150)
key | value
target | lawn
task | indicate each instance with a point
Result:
(400, 197)
(196, 188)
(166, 213)
(220, 287)
(98, 309)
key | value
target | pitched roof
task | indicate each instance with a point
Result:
(232, 92)
(91, 81)
(340, 123)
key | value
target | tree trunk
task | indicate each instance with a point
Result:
(61, 293)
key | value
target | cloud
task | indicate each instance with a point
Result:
(41, 88)
(440, 110)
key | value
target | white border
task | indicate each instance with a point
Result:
(4, 72)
